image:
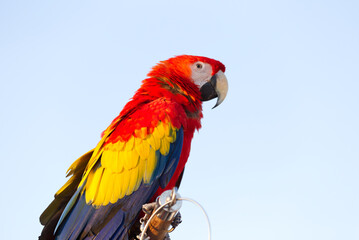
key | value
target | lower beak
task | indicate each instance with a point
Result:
(217, 86)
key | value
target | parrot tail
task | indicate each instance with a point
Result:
(52, 213)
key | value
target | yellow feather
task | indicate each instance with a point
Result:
(165, 147)
(174, 135)
(112, 188)
(169, 139)
(143, 132)
(150, 165)
(109, 187)
(116, 187)
(127, 162)
(160, 130)
(115, 161)
(133, 181)
(135, 158)
(106, 159)
(127, 156)
(137, 141)
(154, 142)
(143, 149)
(121, 161)
(166, 128)
(139, 147)
(141, 170)
(131, 160)
(156, 133)
(129, 144)
(103, 189)
(125, 182)
(89, 180)
(95, 156)
(149, 140)
(92, 189)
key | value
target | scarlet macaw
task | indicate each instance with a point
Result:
(141, 154)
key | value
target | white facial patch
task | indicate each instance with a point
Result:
(201, 73)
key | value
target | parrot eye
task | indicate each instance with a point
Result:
(199, 65)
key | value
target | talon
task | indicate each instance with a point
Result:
(148, 208)
(177, 220)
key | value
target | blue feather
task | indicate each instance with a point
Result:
(174, 157)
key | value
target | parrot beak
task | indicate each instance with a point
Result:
(217, 86)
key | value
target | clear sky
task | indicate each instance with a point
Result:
(278, 160)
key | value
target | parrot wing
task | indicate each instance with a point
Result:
(52, 213)
(136, 155)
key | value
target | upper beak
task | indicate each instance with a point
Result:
(217, 86)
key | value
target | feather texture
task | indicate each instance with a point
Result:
(126, 160)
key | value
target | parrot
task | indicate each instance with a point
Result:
(141, 154)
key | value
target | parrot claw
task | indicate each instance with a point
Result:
(176, 221)
(148, 208)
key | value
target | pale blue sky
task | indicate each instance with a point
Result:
(277, 160)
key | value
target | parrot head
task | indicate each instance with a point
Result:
(200, 78)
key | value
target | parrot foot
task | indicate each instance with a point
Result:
(148, 208)
(176, 221)
(159, 227)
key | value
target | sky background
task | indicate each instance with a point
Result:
(277, 160)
